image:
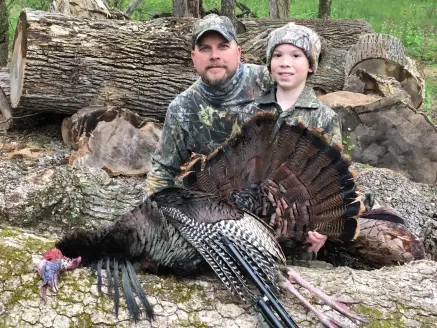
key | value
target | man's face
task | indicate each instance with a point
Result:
(216, 59)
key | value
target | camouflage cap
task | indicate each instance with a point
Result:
(299, 36)
(213, 22)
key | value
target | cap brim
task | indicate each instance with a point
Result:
(220, 30)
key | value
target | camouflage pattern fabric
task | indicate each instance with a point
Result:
(299, 36)
(307, 108)
(203, 117)
(213, 22)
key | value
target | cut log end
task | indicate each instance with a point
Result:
(385, 67)
(18, 62)
(384, 55)
(111, 138)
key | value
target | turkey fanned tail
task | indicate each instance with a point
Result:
(287, 173)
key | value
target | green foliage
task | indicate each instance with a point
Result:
(348, 147)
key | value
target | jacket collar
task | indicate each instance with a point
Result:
(219, 94)
(307, 98)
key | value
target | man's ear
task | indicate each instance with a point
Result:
(239, 52)
(193, 55)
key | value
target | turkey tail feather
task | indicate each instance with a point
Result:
(290, 172)
(99, 275)
(383, 214)
(116, 291)
(124, 240)
(132, 305)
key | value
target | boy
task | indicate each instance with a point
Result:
(292, 55)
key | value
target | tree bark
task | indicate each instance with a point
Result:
(387, 132)
(397, 296)
(133, 5)
(92, 9)
(385, 55)
(330, 74)
(124, 63)
(338, 33)
(119, 63)
(279, 9)
(180, 8)
(186, 8)
(324, 9)
(4, 38)
(5, 105)
(228, 10)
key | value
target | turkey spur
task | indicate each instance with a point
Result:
(287, 173)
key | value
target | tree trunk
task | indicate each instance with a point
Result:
(203, 301)
(228, 10)
(279, 9)
(180, 8)
(324, 9)
(332, 78)
(4, 39)
(186, 8)
(123, 63)
(92, 9)
(385, 55)
(133, 5)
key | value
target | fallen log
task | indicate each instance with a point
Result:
(400, 296)
(385, 55)
(107, 62)
(337, 33)
(58, 198)
(123, 63)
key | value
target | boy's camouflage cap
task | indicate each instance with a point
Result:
(299, 36)
(213, 22)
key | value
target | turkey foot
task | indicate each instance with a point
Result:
(338, 304)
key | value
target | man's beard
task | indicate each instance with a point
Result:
(216, 82)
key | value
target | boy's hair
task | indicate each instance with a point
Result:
(299, 36)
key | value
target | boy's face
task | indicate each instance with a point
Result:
(289, 66)
(216, 59)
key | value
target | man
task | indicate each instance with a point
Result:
(205, 115)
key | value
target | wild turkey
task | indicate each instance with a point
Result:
(283, 170)
(299, 185)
